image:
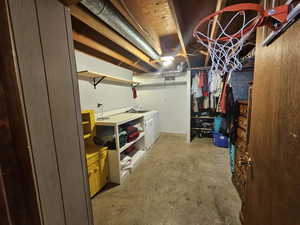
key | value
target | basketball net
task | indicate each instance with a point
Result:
(224, 54)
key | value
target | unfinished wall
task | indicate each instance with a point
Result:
(169, 100)
(112, 96)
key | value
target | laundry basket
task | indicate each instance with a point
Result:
(220, 140)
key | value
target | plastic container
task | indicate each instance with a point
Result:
(217, 124)
(220, 140)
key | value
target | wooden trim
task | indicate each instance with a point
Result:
(64, 107)
(101, 48)
(82, 152)
(101, 28)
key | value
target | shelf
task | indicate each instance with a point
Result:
(85, 122)
(119, 119)
(127, 145)
(101, 76)
(202, 117)
(86, 136)
(136, 158)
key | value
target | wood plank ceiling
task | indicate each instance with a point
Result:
(165, 24)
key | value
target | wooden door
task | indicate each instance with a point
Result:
(273, 196)
(16, 208)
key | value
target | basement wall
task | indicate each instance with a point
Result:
(169, 100)
(112, 96)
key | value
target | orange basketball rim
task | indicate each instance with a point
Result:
(272, 18)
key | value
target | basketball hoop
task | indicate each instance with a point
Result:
(224, 49)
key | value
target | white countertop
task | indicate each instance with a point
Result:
(119, 119)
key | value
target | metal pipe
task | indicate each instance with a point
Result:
(111, 16)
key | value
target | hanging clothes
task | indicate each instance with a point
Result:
(196, 91)
(215, 84)
(195, 105)
(203, 83)
(222, 104)
(205, 102)
(134, 92)
(232, 156)
(201, 80)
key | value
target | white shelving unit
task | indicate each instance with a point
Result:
(116, 175)
(127, 145)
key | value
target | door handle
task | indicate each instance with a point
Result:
(245, 161)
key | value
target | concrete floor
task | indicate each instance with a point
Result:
(176, 184)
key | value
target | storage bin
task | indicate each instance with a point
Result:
(220, 140)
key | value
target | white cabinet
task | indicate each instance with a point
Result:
(152, 128)
(149, 133)
(156, 124)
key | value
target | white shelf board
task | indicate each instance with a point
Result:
(119, 119)
(127, 145)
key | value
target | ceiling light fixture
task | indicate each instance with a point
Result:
(167, 60)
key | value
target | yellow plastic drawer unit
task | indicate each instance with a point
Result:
(97, 170)
(94, 178)
(93, 172)
(103, 167)
(88, 124)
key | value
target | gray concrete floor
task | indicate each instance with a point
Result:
(176, 184)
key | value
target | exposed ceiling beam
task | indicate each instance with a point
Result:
(103, 49)
(69, 2)
(101, 28)
(214, 29)
(147, 32)
(99, 55)
(177, 23)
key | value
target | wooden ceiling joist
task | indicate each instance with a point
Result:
(177, 23)
(103, 49)
(214, 29)
(101, 28)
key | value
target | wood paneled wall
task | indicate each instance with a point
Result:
(38, 64)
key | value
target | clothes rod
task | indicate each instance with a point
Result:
(200, 68)
(162, 84)
(161, 73)
(208, 68)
